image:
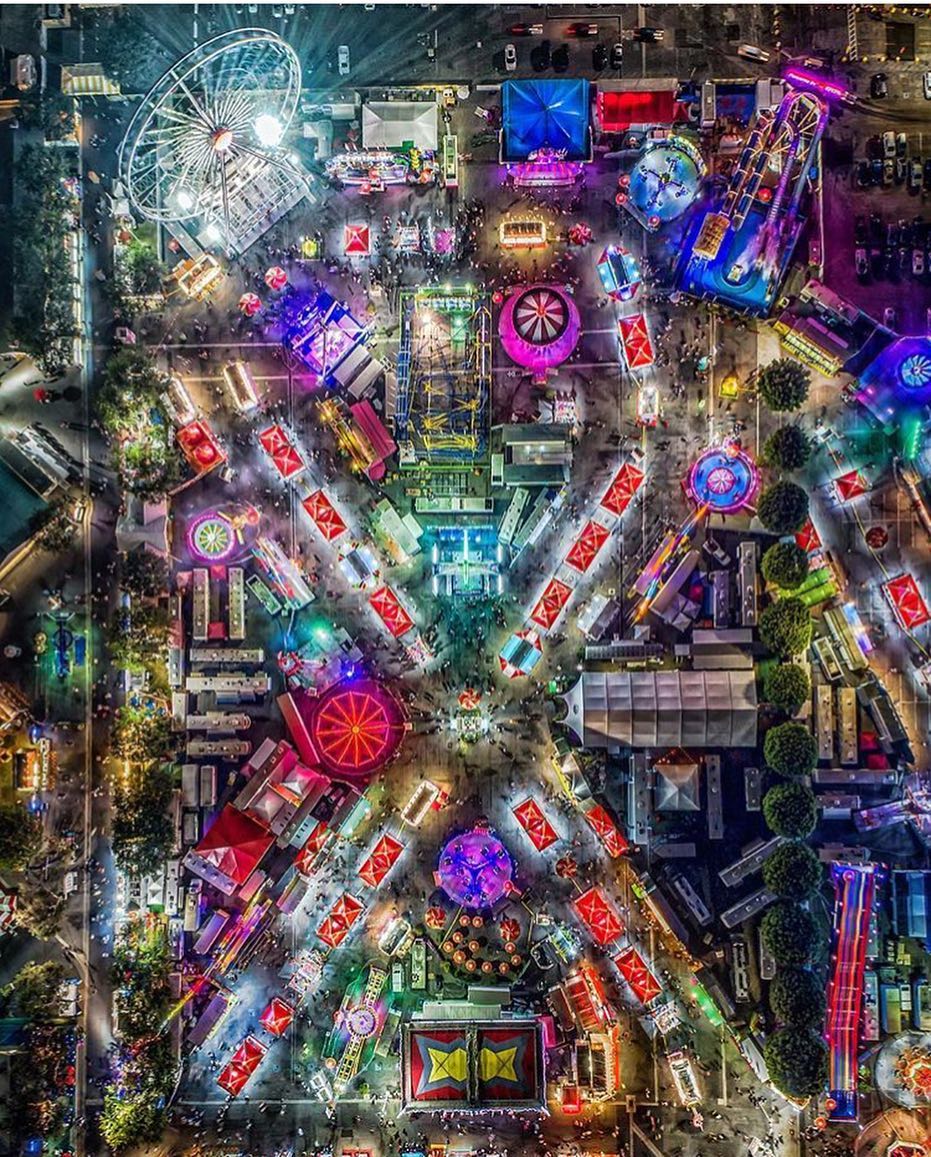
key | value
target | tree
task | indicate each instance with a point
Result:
(137, 637)
(790, 810)
(796, 997)
(787, 448)
(51, 111)
(143, 833)
(131, 389)
(783, 385)
(790, 749)
(790, 934)
(792, 871)
(143, 573)
(140, 736)
(785, 627)
(53, 527)
(143, 270)
(35, 989)
(129, 1118)
(20, 837)
(787, 686)
(38, 912)
(129, 53)
(785, 565)
(783, 507)
(796, 1059)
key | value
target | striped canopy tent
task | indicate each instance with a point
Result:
(550, 604)
(324, 515)
(540, 831)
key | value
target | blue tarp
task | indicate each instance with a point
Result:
(545, 114)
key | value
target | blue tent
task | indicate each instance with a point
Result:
(545, 114)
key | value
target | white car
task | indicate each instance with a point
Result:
(926, 85)
(342, 59)
(888, 143)
(510, 57)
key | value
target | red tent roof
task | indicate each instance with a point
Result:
(599, 916)
(357, 241)
(380, 860)
(910, 607)
(586, 547)
(606, 830)
(312, 848)
(530, 816)
(324, 515)
(635, 971)
(627, 482)
(808, 538)
(344, 913)
(850, 485)
(277, 1016)
(635, 341)
(278, 446)
(551, 603)
(235, 844)
(617, 111)
(384, 602)
(199, 446)
(243, 1063)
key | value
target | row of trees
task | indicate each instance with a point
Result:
(134, 1104)
(43, 321)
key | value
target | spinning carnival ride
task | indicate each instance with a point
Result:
(539, 327)
(203, 149)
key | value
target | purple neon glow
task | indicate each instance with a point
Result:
(539, 327)
(475, 869)
(724, 478)
(211, 537)
(802, 78)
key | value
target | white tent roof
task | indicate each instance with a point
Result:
(388, 124)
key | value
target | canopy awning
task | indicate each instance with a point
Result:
(540, 831)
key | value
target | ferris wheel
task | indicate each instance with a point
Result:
(209, 125)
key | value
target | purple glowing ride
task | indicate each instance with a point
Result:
(724, 479)
(475, 869)
(539, 327)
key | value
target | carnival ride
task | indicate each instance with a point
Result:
(854, 890)
(222, 534)
(204, 148)
(355, 727)
(444, 377)
(738, 253)
(539, 327)
(619, 273)
(357, 1024)
(475, 869)
(723, 479)
(664, 182)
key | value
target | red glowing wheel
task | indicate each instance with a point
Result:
(356, 728)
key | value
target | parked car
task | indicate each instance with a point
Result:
(892, 234)
(560, 58)
(510, 58)
(649, 35)
(889, 317)
(859, 231)
(617, 56)
(914, 174)
(599, 58)
(876, 171)
(879, 86)
(752, 52)
(918, 262)
(901, 145)
(901, 170)
(582, 28)
(864, 179)
(888, 171)
(888, 143)
(540, 57)
(862, 262)
(342, 59)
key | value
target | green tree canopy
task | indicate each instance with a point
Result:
(128, 52)
(796, 1059)
(143, 573)
(783, 507)
(54, 527)
(785, 627)
(787, 448)
(50, 110)
(129, 1118)
(790, 810)
(793, 871)
(790, 749)
(38, 912)
(131, 389)
(143, 833)
(797, 997)
(790, 934)
(783, 385)
(787, 686)
(137, 637)
(20, 837)
(35, 989)
(141, 736)
(785, 565)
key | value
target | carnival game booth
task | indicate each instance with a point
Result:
(469, 1066)
(545, 131)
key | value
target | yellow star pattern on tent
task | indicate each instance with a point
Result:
(451, 1065)
(497, 1066)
